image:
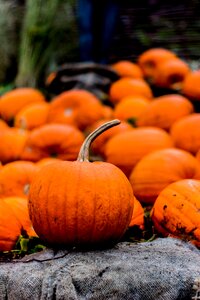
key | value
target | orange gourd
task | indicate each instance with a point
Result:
(79, 108)
(176, 211)
(185, 133)
(126, 149)
(191, 85)
(126, 68)
(15, 178)
(81, 203)
(164, 111)
(160, 168)
(150, 59)
(129, 87)
(138, 215)
(58, 140)
(13, 101)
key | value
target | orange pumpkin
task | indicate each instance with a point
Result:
(59, 140)
(15, 178)
(131, 108)
(191, 85)
(81, 203)
(129, 87)
(3, 125)
(126, 149)
(185, 133)
(12, 143)
(14, 221)
(98, 146)
(45, 161)
(79, 108)
(171, 74)
(160, 168)
(126, 68)
(13, 101)
(138, 215)
(32, 116)
(164, 111)
(150, 59)
(176, 211)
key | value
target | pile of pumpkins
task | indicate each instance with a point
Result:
(79, 173)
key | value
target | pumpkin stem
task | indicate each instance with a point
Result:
(85, 148)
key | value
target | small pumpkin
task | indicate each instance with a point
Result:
(81, 203)
(163, 111)
(138, 215)
(160, 168)
(58, 140)
(191, 85)
(13, 101)
(176, 211)
(126, 68)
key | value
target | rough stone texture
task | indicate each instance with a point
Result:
(163, 269)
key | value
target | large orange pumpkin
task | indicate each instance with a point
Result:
(164, 111)
(126, 149)
(81, 203)
(176, 210)
(160, 168)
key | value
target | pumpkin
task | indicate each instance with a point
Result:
(129, 87)
(13, 101)
(58, 140)
(130, 108)
(126, 68)
(185, 133)
(126, 149)
(32, 116)
(176, 211)
(15, 178)
(191, 85)
(160, 168)
(164, 111)
(171, 74)
(14, 221)
(150, 59)
(99, 144)
(81, 203)
(12, 143)
(46, 161)
(3, 125)
(79, 108)
(138, 215)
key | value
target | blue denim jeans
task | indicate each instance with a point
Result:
(96, 21)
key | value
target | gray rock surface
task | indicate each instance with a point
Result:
(164, 269)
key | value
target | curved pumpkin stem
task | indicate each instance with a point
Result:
(85, 148)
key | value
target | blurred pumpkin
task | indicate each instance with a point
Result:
(138, 215)
(160, 168)
(191, 85)
(126, 68)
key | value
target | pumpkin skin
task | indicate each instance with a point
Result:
(160, 168)
(129, 87)
(164, 111)
(185, 133)
(59, 140)
(13, 101)
(126, 68)
(32, 116)
(176, 211)
(79, 108)
(150, 59)
(171, 74)
(191, 85)
(12, 143)
(138, 215)
(15, 178)
(80, 203)
(126, 149)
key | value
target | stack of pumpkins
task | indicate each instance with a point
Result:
(81, 181)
